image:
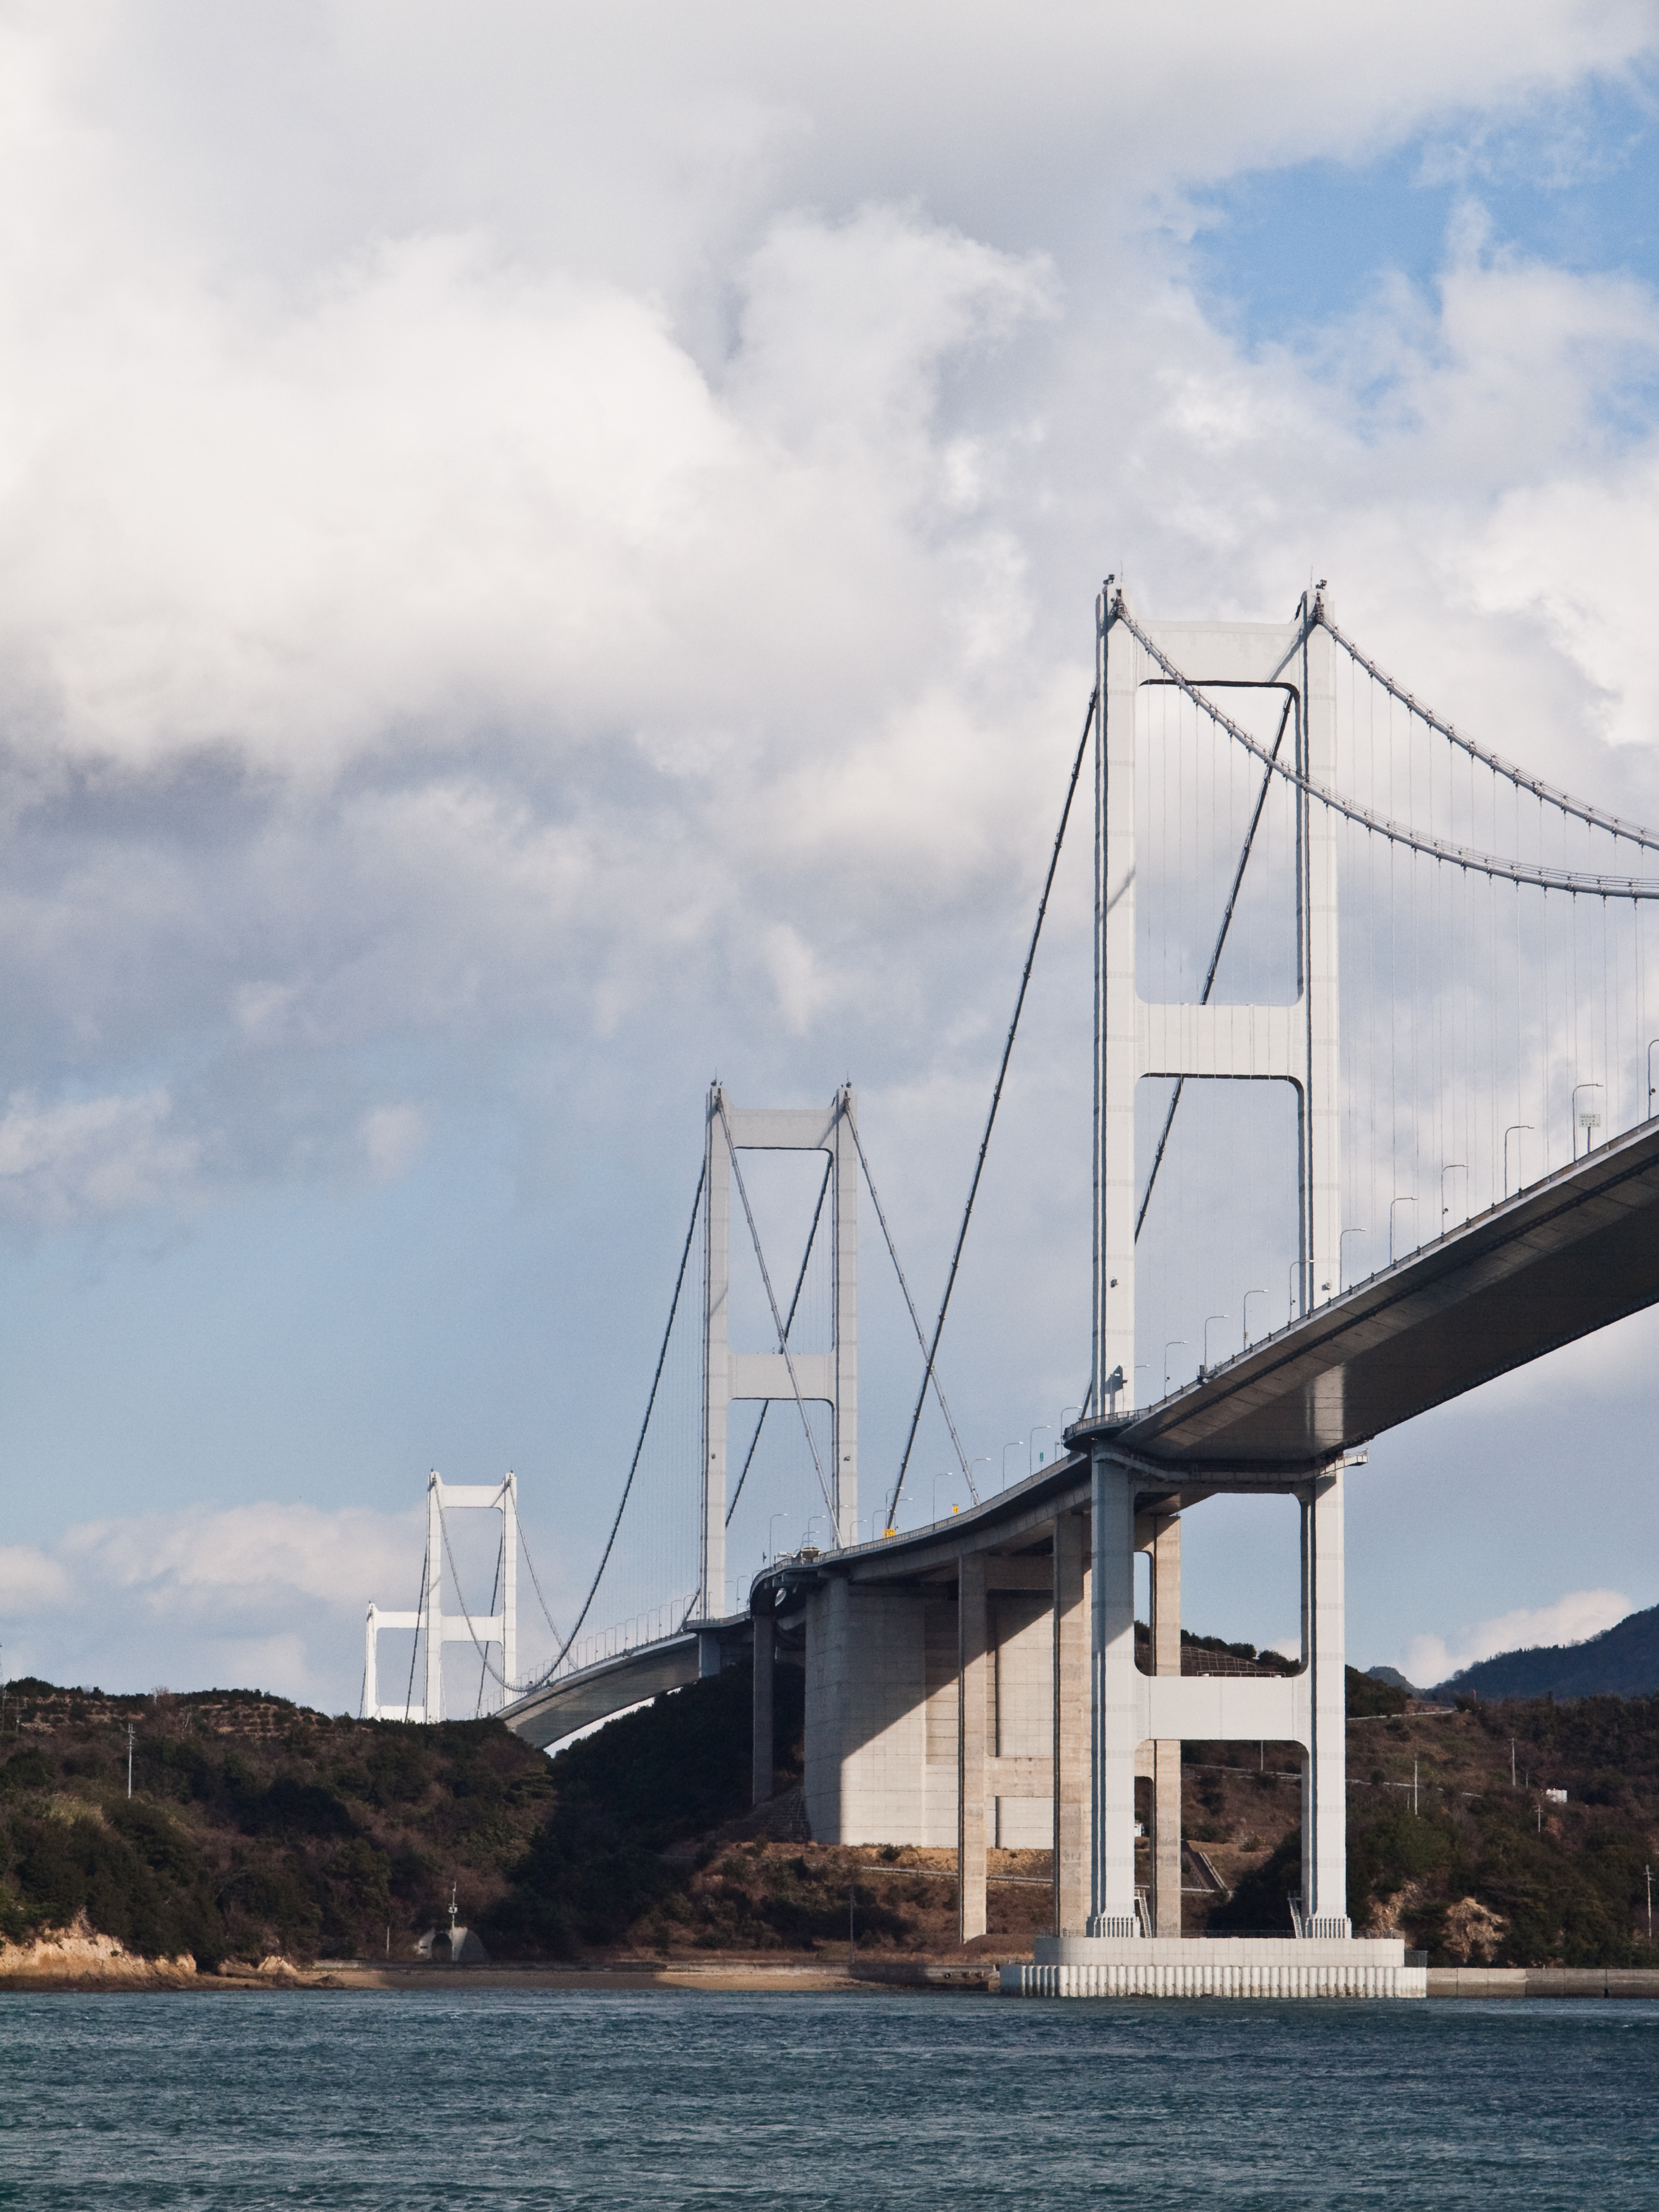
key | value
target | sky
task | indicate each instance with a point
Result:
(547, 554)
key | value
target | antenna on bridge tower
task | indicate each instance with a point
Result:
(481, 1630)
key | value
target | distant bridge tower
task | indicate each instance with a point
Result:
(441, 1628)
(829, 1378)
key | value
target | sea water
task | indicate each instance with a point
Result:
(669, 2100)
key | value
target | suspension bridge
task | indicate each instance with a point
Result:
(1373, 1092)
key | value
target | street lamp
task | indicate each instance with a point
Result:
(1587, 1122)
(1514, 1130)
(1248, 1295)
(972, 1464)
(1168, 1349)
(1450, 1168)
(1392, 1204)
(1208, 1318)
(1006, 1448)
(1029, 1441)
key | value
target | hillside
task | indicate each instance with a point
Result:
(257, 1829)
(1622, 1662)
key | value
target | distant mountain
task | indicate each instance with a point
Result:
(1395, 1680)
(1622, 1662)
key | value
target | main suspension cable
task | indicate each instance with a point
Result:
(789, 1322)
(777, 1320)
(910, 1304)
(1434, 848)
(996, 1100)
(1631, 832)
(1215, 957)
(634, 1466)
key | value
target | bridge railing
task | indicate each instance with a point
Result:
(621, 1636)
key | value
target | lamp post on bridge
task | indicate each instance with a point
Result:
(1030, 1440)
(1405, 1201)
(1514, 1130)
(1248, 1295)
(1208, 1318)
(1168, 1349)
(1006, 1448)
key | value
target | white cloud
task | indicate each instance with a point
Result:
(1571, 1619)
(66, 1163)
(539, 550)
(31, 1581)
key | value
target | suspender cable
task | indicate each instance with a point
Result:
(1631, 832)
(910, 1304)
(634, 1468)
(1397, 833)
(1215, 957)
(789, 1322)
(996, 1100)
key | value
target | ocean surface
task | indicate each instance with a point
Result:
(671, 2100)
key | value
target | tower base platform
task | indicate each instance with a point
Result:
(1217, 1966)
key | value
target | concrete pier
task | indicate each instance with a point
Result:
(1218, 1966)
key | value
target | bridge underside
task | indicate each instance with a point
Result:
(1569, 1256)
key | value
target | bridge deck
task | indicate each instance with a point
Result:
(1563, 1259)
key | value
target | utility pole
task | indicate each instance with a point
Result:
(1511, 1762)
(1650, 1875)
(132, 1732)
(1414, 1811)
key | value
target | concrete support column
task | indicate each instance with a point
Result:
(973, 1734)
(1324, 1787)
(1166, 1755)
(1071, 1633)
(1115, 1726)
(765, 1643)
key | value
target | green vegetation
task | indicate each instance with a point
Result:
(257, 1827)
(1446, 1850)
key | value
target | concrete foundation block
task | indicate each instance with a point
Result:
(1222, 1966)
